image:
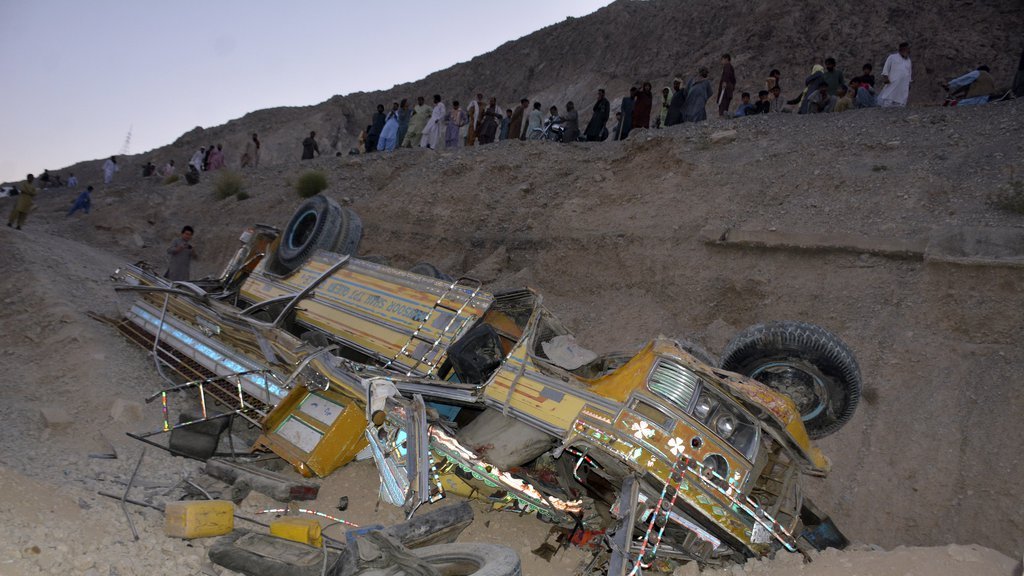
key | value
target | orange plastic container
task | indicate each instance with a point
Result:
(199, 518)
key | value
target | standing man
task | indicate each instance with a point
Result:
(109, 168)
(599, 118)
(433, 134)
(404, 114)
(420, 115)
(388, 137)
(474, 114)
(896, 78)
(675, 104)
(21, 208)
(180, 256)
(376, 126)
(626, 107)
(698, 92)
(251, 156)
(535, 122)
(726, 85)
(832, 77)
(309, 146)
(515, 126)
(642, 105)
(490, 118)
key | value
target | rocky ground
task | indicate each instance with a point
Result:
(610, 233)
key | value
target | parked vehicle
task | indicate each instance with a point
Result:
(551, 130)
(454, 388)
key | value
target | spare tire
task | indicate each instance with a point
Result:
(471, 559)
(809, 364)
(315, 225)
(350, 233)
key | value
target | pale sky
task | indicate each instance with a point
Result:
(78, 74)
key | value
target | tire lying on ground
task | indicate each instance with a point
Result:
(809, 364)
(319, 223)
(471, 559)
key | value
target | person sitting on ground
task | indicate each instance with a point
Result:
(778, 103)
(866, 76)
(148, 169)
(72, 180)
(810, 86)
(197, 159)
(763, 105)
(975, 87)
(82, 202)
(745, 108)
(820, 101)
(844, 99)
(863, 94)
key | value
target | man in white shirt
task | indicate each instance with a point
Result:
(896, 78)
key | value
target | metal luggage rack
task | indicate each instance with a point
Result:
(219, 388)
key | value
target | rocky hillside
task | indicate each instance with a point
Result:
(654, 40)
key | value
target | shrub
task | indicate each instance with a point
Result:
(310, 184)
(242, 195)
(172, 179)
(228, 184)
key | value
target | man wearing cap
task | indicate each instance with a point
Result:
(896, 78)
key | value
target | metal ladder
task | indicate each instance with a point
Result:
(446, 334)
(659, 517)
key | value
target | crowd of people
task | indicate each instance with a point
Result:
(443, 125)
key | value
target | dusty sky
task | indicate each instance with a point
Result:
(78, 75)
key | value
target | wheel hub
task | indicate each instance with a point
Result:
(805, 388)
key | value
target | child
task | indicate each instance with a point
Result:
(746, 108)
(763, 105)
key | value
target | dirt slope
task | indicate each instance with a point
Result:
(609, 233)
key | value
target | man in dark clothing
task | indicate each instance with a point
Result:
(726, 85)
(599, 118)
(627, 114)
(309, 146)
(515, 125)
(376, 127)
(832, 77)
(642, 105)
(675, 105)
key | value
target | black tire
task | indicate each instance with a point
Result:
(316, 224)
(428, 269)
(350, 233)
(809, 364)
(697, 351)
(471, 559)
